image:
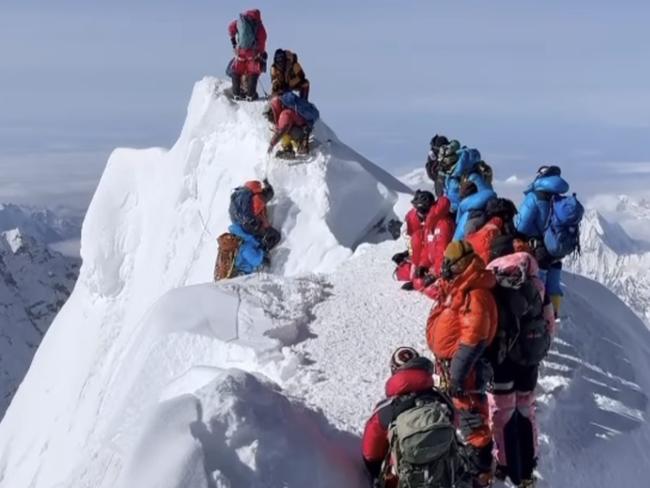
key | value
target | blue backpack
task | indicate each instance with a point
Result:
(241, 210)
(305, 109)
(246, 32)
(562, 233)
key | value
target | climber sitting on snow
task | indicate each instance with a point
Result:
(250, 230)
(294, 119)
(248, 38)
(287, 74)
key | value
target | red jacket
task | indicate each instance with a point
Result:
(482, 239)
(259, 205)
(439, 231)
(466, 313)
(261, 35)
(285, 118)
(415, 230)
(375, 436)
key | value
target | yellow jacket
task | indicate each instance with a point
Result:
(291, 78)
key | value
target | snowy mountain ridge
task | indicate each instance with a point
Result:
(43, 225)
(34, 283)
(157, 378)
(611, 257)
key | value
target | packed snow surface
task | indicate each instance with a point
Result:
(153, 377)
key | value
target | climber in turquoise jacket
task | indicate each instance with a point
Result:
(531, 223)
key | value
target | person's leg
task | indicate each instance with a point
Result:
(525, 384)
(502, 402)
(553, 287)
(473, 419)
(236, 85)
(251, 86)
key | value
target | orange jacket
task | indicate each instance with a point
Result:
(465, 314)
(481, 240)
(259, 205)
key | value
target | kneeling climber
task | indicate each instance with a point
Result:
(294, 119)
(410, 439)
(287, 74)
(245, 248)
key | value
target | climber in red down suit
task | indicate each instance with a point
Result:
(248, 39)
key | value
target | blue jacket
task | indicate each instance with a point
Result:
(251, 255)
(477, 201)
(467, 161)
(533, 212)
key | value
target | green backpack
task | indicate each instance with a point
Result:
(425, 448)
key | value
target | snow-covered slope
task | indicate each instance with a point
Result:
(611, 257)
(151, 228)
(34, 284)
(152, 377)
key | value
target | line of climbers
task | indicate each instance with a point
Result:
(246, 247)
(494, 275)
(290, 111)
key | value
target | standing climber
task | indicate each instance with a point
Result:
(460, 327)
(287, 74)
(550, 221)
(294, 119)
(251, 226)
(389, 448)
(471, 213)
(440, 161)
(526, 324)
(248, 38)
(469, 167)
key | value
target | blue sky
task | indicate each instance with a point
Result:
(525, 82)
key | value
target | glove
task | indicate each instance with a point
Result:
(233, 41)
(408, 286)
(400, 257)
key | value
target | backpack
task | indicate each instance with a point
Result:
(424, 447)
(562, 232)
(241, 210)
(224, 267)
(305, 109)
(523, 335)
(246, 32)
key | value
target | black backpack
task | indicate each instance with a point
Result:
(522, 334)
(241, 210)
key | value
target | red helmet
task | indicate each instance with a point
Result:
(401, 356)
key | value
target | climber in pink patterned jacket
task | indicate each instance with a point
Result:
(526, 327)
